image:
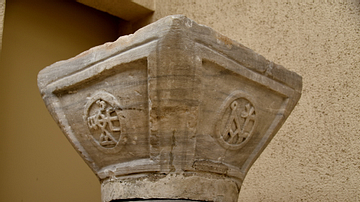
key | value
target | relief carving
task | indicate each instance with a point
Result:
(102, 114)
(237, 122)
(190, 111)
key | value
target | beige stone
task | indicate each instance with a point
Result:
(2, 14)
(174, 111)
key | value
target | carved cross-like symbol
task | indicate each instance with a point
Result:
(248, 115)
(104, 120)
(234, 132)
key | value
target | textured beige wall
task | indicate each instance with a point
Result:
(316, 155)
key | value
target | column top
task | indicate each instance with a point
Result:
(173, 111)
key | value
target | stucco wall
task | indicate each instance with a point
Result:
(316, 154)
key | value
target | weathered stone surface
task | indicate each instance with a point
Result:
(174, 111)
(2, 14)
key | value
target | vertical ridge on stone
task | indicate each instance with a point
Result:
(174, 111)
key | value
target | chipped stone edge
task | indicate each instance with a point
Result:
(200, 33)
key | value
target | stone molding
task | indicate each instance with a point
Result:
(175, 110)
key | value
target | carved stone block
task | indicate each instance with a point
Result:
(174, 111)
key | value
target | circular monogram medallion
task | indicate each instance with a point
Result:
(237, 121)
(102, 118)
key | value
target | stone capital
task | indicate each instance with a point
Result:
(173, 111)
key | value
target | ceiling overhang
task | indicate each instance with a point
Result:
(128, 10)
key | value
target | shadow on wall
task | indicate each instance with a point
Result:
(37, 162)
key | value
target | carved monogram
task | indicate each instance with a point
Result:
(107, 121)
(102, 119)
(237, 122)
